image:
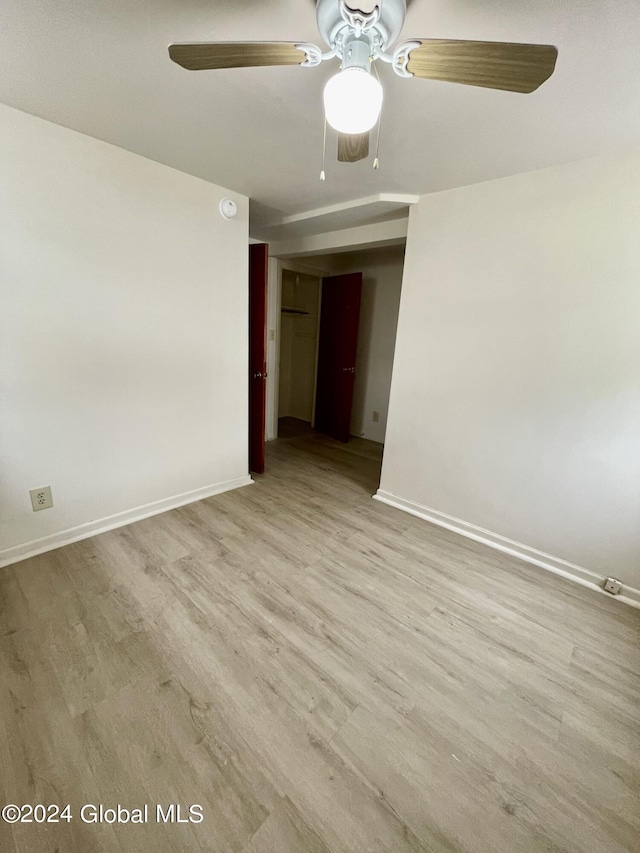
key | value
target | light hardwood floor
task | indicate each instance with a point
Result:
(322, 673)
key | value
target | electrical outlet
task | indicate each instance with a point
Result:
(612, 585)
(41, 498)
(376, 417)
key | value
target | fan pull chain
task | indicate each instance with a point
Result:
(323, 177)
(376, 162)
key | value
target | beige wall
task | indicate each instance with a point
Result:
(515, 401)
(123, 335)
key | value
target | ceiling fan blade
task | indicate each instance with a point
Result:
(353, 147)
(492, 64)
(242, 54)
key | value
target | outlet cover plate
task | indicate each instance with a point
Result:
(613, 585)
(41, 498)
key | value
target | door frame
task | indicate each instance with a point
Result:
(257, 361)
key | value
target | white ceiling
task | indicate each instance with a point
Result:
(101, 67)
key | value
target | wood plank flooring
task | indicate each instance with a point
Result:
(321, 673)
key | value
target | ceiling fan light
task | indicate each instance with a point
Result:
(352, 101)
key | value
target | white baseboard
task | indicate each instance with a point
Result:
(629, 595)
(17, 553)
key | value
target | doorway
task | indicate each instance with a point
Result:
(299, 325)
(382, 269)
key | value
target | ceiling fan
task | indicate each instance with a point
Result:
(360, 33)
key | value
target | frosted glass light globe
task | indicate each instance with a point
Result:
(352, 101)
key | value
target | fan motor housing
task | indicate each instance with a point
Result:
(331, 18)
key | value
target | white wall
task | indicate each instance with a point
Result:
(515, 402)
(123, 335)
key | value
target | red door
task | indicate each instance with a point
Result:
(258, 264)
(339, 318)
